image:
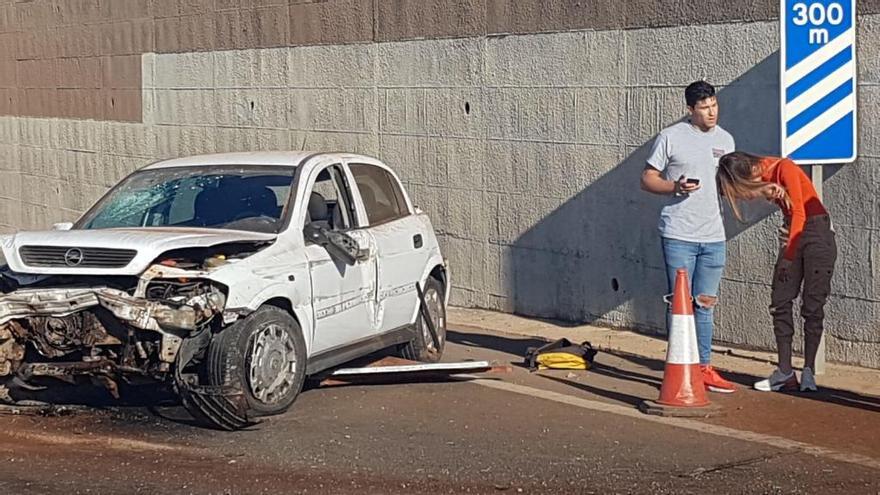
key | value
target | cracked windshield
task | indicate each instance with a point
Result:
(234, 198)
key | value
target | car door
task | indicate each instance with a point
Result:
(343, 295)
(400, 242)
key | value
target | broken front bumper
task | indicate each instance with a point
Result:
(136, 311)
(171, 323)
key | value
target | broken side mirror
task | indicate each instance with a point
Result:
(314, 234)
(62, 226)
(339, 244)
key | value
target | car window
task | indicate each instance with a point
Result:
(227, 197)
(380, 192)
(329, 202)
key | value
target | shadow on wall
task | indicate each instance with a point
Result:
(597, 257)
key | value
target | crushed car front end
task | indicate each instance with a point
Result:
(110, 313)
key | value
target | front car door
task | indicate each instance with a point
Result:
(400, 238)
(343, 296)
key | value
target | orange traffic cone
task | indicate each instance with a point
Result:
(683, 392)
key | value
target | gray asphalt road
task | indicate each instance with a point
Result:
(441, 437)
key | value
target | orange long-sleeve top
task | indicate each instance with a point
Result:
(804, 199)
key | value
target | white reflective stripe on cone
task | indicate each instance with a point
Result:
(683, 341)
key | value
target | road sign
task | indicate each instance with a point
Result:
(818, 80)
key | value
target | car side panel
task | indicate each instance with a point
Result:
(280, 271)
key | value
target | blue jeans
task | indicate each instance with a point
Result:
(704, 263)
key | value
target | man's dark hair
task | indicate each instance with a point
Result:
(697, 92)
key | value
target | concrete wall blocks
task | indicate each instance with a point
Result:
(265, 108)
(869, 120)
(130, 139)
(540, 114)
(185, 71)
(331, 21)
(680, 55)
(35, 132)
(565, 115)
(11, 160)
(857, 180)
(743, 327)
(346, 66)
(442, 112)
(10, 184)
(267, 69)
(556, 60)
(854, 258)
(74, 136)
(409, 19)
(185, 106)
(540, 169)
(230, 139)
(351, 110)
(457, 62)
(174, 141)
(9, 130)
(868, 54)
(364, 143)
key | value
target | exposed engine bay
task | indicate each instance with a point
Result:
(111, 328)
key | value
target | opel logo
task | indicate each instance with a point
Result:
(73, 257)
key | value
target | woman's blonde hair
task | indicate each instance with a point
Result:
(736, 172)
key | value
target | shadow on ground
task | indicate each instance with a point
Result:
(652, 374)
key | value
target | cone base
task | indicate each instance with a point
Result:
(683, 386)
(653, 408)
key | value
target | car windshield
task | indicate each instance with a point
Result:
(225, 197)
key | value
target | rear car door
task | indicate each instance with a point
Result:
(343, 296)
(400, 242)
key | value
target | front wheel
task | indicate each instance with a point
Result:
(255, 367)
(421, 347)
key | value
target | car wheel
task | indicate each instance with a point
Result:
(255, 367)
(421, 347)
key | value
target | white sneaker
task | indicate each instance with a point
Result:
(808, 381)
(778, 381)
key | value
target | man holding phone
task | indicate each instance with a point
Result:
(682, 166)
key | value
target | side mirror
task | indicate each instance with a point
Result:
(314, 234)
(62, 226)
(338, 244)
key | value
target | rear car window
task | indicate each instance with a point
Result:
(381, 194)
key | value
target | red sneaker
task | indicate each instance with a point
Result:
(714, 382)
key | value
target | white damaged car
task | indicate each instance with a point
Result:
(231, 276)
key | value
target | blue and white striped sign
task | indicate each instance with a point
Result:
(818, 80)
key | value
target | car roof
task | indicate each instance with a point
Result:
(255, 158)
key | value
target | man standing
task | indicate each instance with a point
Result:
(682, 165)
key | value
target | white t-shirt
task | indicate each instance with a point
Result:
(682, 149)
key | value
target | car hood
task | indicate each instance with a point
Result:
(147, 244)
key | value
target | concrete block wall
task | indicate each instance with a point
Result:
(524, 139)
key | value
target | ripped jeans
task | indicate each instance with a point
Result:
(704, 262)
(812, 268)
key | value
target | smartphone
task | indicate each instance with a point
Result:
(693, 181)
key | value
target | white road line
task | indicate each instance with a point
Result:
(688, 424)
(105, 442)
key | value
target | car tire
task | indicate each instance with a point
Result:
(242, 370)
(421, 347)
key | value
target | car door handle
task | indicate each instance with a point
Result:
(417, 241)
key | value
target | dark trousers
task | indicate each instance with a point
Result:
(813, 266)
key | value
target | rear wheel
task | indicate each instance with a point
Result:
(256, 367)
(421, 347)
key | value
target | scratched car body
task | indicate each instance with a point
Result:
(231, 277)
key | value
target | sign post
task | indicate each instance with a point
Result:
(817, 76)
